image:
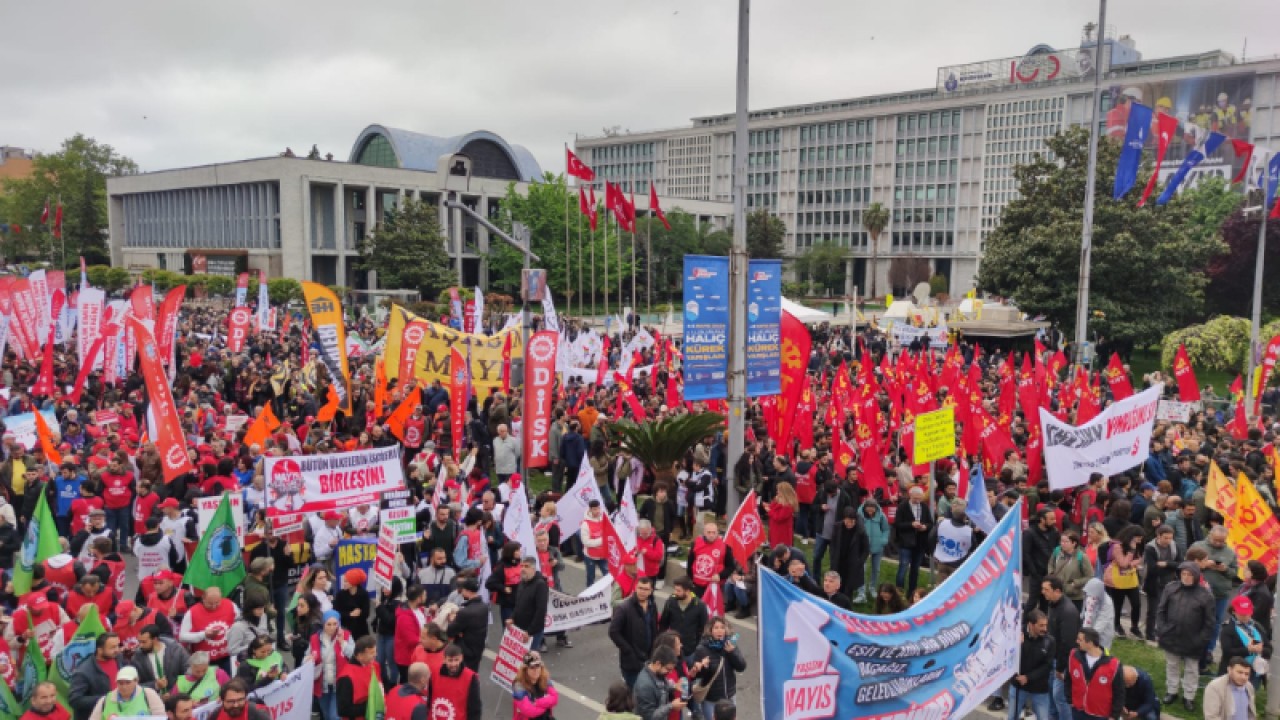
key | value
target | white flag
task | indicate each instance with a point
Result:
(516, 523)
(626, 520)
(573, 506)
(549, 312)
(479, 312)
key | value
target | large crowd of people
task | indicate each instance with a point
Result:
(1145, 538)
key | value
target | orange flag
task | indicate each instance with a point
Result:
(46, 440)
(326, 413)
(401, 415)
(262, 427)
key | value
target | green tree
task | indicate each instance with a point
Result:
(284, 290)
(108, 278)
(874, 219)
(1148, 264)
(823, 266)
(408, 250)
(76, 176)
(662, 443)
(765, 233)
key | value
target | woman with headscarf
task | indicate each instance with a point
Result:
(330, 649)
(849, 550)
(352, 603)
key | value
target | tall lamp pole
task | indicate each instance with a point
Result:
(738, 265)
(1086, 236)
(1255, 328)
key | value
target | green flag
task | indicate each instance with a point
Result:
(10, 708)
(39, 544)
(31, 672)
(81, 647)
(375, 708)
(218, 560)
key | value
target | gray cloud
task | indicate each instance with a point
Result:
(174, 84)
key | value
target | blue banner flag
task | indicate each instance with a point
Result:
(1193, 159)
(706, 327)
(1273, 181)
(1135, 139)
(977, 506)
(356, 554)
(764, 328)
(939, 659)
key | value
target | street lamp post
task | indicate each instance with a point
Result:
(1086, 235)
(738, 266)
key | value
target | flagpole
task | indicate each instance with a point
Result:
(568, 281)
(594, 209)
(648, 264)
(580, 259)
(1255, 328)
(1086, 236)
(622, 279)
(606, 250)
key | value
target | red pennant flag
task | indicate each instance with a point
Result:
(746, 530)
(506, 362)
(1057, 364)
(842, 454)
(169, 440)
(593, 215)
(402, 414)
(1118, 378)
(57, 222)
(583, 207)
(602, 371)
(44, 381)
(1166, 126)
(459, 394)
(577, 168)
(1238, 425)
(85, 368)
(1090, 401)
(796, 344)
(1242, 147)
(327, 412)
(261, 428)
(673, 390)
(653, 205)
(627, 394)
(46, 440)
(616, 556)
(1188, 388)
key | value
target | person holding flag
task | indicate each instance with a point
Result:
(360, 684)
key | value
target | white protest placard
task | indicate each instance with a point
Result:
(23, 426)
(235, 422)
(207, 506)
(402, 520)
(511, 652)
(312, 483)
(384, 563)
(1176, 411)
(1112, 442)
(566, 612)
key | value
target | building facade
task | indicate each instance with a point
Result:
(940, 159)
(304, 218)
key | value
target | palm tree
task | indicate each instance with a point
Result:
(874, 219)
(660, 445)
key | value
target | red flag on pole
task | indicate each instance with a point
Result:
(592, 215)
(1166, 126)
(44, 215)
(746, 530)
(44, 381)
(169, 439)
(1118, 378)
(57, 222)
(1188, 388)
(653, 205)
(577, 168)
(85, 368)
(459, 393)
(1090, 403)
(1244, 148)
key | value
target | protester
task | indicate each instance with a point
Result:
(533, 695)
(1093, 680)
(1140, 701)
(1184, 624)
(719, 644)
(1032, 684)
(633, 628)
(455, 690)
(654, 695)
(1230, 696)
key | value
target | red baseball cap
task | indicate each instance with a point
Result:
(333, 515)
(168, 503)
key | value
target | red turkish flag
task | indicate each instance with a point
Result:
(1166, 126)
(57, 222)
(1118, 378)
(592, 214)
(617, 202)
(44, 216)
(653, 205)
(746, 530)
(1188, 388)
(577, 168)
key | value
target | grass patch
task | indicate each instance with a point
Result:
(1148, 360)
(1141, 655)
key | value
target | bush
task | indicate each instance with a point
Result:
(284, 290)
(108, 278)
(938, 285)
(795, 289)
(163, 280)
(464, 294)
(1218, 345)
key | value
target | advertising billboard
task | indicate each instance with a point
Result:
(1040, 65)
(1215, 103)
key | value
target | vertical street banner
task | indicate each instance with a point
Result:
(1112, 442)
(238, 328)
(764, 327)
(264, 307)
(459, 396)
(939, 659)
(167, 323)
(90, 321)
(40, 294)
(706, 327)
(539, 383)
(168, 438)
(384, 560)
(330, 333)
(242, 288)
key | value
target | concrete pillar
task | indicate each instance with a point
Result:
(849, 281)
(340, 229)
(371, 218)
(304, 189)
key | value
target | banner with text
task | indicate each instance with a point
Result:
(432, 343)
(311, 483)
(706, 327)
(939, 659)
(764, 327)
(568, 612)
(1112, 442)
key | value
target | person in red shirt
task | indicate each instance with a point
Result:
(90, 591)
(117, 497)
(410, 620)
(83, 505)
(144, 506)
(218, 478)
(45, 705)
(650, 552)
(430, 650)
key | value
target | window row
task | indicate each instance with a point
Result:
(925, 192)
(943, 144)
(857, 174)
(932, 168)
(829, 217)
(767, 200)
(847, 240)
(830, 197)
(837, 131)
(860, 151)
(1027, 119)
(763, 158)
(619, 152)
(929, 121)
(1019, 106)
(924, 215)
(762, 179)
(923, 239)
(764, 137)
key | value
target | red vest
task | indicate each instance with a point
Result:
(708, 561)
(59, 713)
(105, 600)
(415, 431)
(173, 608)
(807, 485)
(596, 529)
(117, 575)
(361, 676)
(476, 549)
(221, 618)
(63, 578)
(433, 660)
(511, 575)
(400, 706)
(449, 695)
(128, 632)
(1093, 697)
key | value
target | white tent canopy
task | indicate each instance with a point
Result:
(806, 315)
(899, 310)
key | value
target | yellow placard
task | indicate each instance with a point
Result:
(432, 360)
(935, 435)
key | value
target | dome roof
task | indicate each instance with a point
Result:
(494, 156)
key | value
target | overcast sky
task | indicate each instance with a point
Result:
(174, 83)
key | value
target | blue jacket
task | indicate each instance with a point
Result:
(573, 447)
(1141, 698)
(877, 527)
(1153, 468)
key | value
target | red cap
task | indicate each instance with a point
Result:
(333, 515)
(168, 503)
(1242, 604)
(124, 607)
(168, 576)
